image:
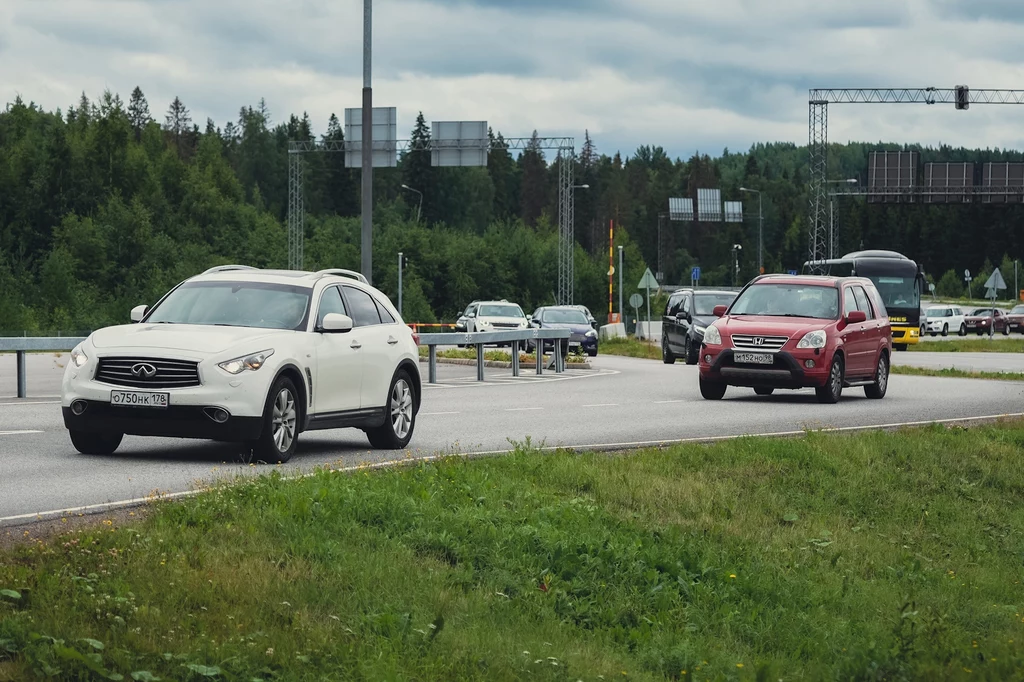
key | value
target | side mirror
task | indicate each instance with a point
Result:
(719, 310)
(335, 323)
(139, 312)
(471, 315)
(856, 316)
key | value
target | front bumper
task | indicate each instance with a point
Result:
(787, 371)
(906, 334)
(176, 421)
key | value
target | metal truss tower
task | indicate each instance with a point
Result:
(566, 160)
(818, 223)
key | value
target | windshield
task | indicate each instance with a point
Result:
(235, 304)
(500, 311)
(938, 312)
(788, 300)
(564, 317)
(982, 312)
(704, 304)
(896, 291)
(1018, 310)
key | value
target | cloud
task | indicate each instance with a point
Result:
(684, 74)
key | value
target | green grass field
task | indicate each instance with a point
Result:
(955, 373)
(972, 344)
(630, 347)
(880, 556)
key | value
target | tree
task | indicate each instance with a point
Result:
(502, 169)
(178, 123)
(138, 112)
(950, 285)
(338, 188)
(535, 186)
(418, 173)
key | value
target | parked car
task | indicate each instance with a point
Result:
(590, 318)
(987, 320)
(799, 331)
(252, 356)
(1015, 319)
(943, 319)
(461, 323)
(583, 338)
(687, 315)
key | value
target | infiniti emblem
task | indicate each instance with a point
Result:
(144, 370)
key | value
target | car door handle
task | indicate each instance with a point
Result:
(356, 345)
(392, 340)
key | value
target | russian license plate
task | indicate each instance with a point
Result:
(139, 399)
(754, 358)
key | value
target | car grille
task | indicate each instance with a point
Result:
(505, 325)
(169, 373)
(749, 342)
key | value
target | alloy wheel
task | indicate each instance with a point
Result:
(284, 419)
(401, 409)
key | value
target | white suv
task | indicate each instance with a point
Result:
(251, 356)
(943, 319)
(496, 316)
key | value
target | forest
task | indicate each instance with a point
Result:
(107, 204)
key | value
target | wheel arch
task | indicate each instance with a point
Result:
(414, 373)
(292, 371)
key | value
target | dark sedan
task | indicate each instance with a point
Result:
(987, 320)
(687, 315)
(583, 338)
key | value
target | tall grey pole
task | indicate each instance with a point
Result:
(760, 237)
(400, 283)
(367, 145)
(621, 311)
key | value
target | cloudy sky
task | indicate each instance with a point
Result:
(683, 74)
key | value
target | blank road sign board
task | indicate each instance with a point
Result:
(458, 143)
(384, 137)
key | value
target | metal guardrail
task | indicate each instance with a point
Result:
(479, 339)
(27, 344)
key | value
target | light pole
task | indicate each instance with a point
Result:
(621, 318)
(418, 208)
(760, 230)
(736, 248)
(831, 214)
(367, 144)
(399, 282)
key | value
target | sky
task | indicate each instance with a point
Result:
(688, 76)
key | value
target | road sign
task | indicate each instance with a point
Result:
(792, 272)
(967, 275)
(995, 281)
(648, 281)
(695, 274)
(636, 300)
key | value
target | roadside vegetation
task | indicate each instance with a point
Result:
(955, 373)
(975, 344)
(885, 555)
(631, 347)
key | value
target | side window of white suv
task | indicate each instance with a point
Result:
(330, 302)
(364, 310)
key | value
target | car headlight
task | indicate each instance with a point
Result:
(712, 336)
(79, 357)
(700, 329)
(592, 334)
(814, 339)
(248, 362)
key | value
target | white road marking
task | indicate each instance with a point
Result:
(40, 402)
(602, 405)
(138, 501)
(17, 433)
(523, 409)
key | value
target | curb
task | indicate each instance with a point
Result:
(496, 364)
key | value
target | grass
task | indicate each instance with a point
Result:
(492, 355)
(888, 555)
(630, 347)
(977, 344)
(955, 373)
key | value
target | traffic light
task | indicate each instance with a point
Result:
(963, 97)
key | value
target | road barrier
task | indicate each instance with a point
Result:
(27, 344)
(479, 339)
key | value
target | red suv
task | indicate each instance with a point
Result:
(787, 331)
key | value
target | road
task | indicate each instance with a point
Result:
(622, 402)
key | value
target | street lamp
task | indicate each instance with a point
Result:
(736, 248)
(420, 207)
(760, 230)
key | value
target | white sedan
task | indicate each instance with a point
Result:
(251, 356)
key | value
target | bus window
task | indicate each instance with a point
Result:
(898, 292)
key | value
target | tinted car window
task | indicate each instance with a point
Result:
(673, 304)
(330, 302)
(685, 308)
(364, 310)
(385, 316)
(849, 300)
(863, 303)
(704, 304)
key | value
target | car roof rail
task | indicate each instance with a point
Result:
(341, 272)
(226, 268)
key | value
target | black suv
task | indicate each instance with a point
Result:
(687, 315)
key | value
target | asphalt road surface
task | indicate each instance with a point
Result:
(623, 402)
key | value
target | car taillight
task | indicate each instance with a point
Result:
(416, 338)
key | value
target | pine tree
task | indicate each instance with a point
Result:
(501, 168)
(138, 112)
(177, 123)
(338, 187)
(535, 186)
(418, 174)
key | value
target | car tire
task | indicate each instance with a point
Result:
(712, 390)
(90, 443)
(400, 416)
(832, 391)
(932, 334)
(764, 391)
(666, 354)
(877, 390)
(963, 330)
(899, 346)
(1006, 330)
(592, 353)
(692, 354)
(945, 330)
(280, 432)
